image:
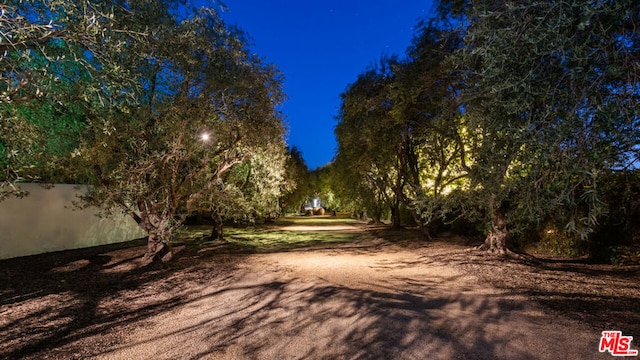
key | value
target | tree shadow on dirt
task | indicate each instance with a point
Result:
(52, 300)
(302, 320)
(604, 297)
(85, 303)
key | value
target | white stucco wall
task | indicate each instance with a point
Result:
(46, 221)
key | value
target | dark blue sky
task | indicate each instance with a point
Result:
(321, 47)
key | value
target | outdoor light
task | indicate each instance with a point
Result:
(204, 136)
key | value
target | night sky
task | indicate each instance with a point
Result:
(321, 47)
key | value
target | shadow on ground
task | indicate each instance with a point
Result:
(53, 300)
(296, 319)
(208, 302)
(601, 296)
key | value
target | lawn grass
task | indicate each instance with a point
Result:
(273, 237)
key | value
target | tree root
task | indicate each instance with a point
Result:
(162, 253)
(506, 253)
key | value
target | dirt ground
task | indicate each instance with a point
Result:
(384, 295)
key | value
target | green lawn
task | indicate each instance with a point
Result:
(276, 237)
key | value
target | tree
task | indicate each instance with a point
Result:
(323, 188)
(204, 105)
(368, 143)
(298, 178)
(249, 192)
(58, 55)
(432, 156)
(550, 96)
(406, 114)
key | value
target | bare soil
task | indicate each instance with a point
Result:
(384, 295)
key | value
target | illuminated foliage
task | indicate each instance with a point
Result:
(119, 95)
(149, 157)
(299, 182)
(400, 133)
(550, 95)
(57, 59)
(433, 153)
(509, 118)
(367, 166)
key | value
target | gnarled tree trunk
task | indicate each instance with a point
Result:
(157, 249)
(497, 239)
(157, 239)
(218, 224)
(365, 217)
(424, 229)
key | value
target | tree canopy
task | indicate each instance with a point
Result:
(175, 113)
(506, 113)
(551, 98)
(58, 59)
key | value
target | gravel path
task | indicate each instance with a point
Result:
(371, 298)
(371, 301)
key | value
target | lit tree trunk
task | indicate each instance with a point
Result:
(157, 239)
(157, 249)
(395, 208)
(496, 241)
(424, 229)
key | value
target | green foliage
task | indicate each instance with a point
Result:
(400, 135)
(299, 182)
(366, 165)
(434, 150)
(554, 240)
(60, 127)
(270, 239)
(250, 191)
(57, 58)
(323, 188)
(511, 119)
(617, 237)
(150, 157)
(120, 94)
(548, 91)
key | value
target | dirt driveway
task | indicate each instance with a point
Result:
(369, 299)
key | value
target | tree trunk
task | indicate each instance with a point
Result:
(217, 231)
(395, 217)
(157, 249)
(218, 224)
(424, 229)
(496, 241)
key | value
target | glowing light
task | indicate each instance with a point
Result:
(205, 136)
